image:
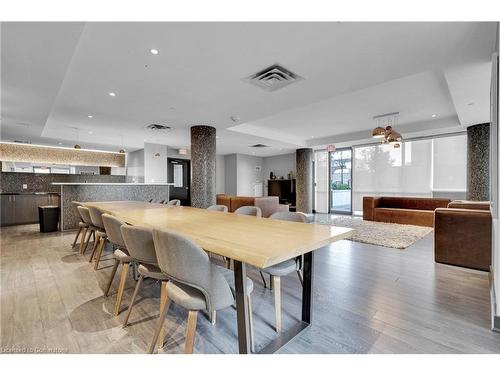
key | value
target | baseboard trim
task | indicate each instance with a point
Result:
(495, 313)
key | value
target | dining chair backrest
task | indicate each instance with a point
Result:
(85, 214)
(186, 262)
(289, 216)
(139, 243)
(74, 206)
(112, 226)
(249, 210)
(217, 207)
(174, 202)
(96, 216)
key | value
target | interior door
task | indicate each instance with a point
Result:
(179, 173)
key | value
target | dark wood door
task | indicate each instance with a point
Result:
(179, 173)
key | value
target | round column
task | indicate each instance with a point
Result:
(304, 182)
(202, 166)
(478, 162)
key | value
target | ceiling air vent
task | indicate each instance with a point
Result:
(158, 127)
(259, 145)
(273, 78)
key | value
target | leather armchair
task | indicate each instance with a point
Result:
(462, 235)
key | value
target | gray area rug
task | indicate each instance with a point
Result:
(397, 236)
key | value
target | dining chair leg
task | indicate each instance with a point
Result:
(90, 232)
(250, 323)
(277, 301)
(93, 234)
(213, 317)
(82, 241)
(76, 237)
(190, 331)
(132, 301)
(163, 300)
(112, 276)
(94, 249)
(161, 320)
(263, 279)
(121, 288)
(301, 279)
(102, 243)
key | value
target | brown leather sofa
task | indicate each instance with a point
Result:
(402, 210)
(268, 205)
(462, 234)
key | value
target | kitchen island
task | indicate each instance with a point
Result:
(102, 192)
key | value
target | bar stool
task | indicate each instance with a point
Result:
(81, 225)
(284, 268)
(121, 254)
(100, 232)
(194, 283)
(90, 229)
(139, 241)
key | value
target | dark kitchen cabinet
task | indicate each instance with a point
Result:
(23, 208)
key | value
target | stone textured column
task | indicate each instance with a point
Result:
(304, 183)
(478, 162)
(202, 166)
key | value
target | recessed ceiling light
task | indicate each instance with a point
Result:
(312, 136)
(154, 51)
(91, 132)
(434, 116)
(470, 103)
(60, 143)
(112, 94)
(217, 137)
(90, 116)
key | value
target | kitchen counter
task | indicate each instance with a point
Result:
(102, 192)
(28, 193)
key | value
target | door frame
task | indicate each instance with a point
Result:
(169, 159)
(330, 182)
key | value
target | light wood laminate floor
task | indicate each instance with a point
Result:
(367, 299)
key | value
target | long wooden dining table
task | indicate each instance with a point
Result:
(247, 240)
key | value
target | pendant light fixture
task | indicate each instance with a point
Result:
(385, 129)
(77, 144)
(122, 150)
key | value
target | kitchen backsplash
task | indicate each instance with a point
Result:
(12, 182)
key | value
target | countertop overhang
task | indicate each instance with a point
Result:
(113, 183)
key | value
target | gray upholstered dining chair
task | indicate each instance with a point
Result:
(90, 229)
(283, 268)
(194, 282)
(218, 207)
(82, 225)
(139, 241)
(112, 226)
(173, 202)
(249, 210)
(100, 232)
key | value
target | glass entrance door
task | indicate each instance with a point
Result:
(341, 181)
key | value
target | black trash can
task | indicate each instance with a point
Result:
(48, 217)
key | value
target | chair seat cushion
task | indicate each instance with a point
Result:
(150, 270)
(229, 276)
(122, 255)
(283, 268)
(186, 296)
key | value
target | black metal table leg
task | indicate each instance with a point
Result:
(240, 283)
(307, 297)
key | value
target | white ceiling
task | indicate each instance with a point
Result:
(56, 74)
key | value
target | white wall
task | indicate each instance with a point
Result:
(495, 195)
(220, 183)
(280, 165)
(249, 174)
(155, 167)
(135, 166)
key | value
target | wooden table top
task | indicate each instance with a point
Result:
(260, 242)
